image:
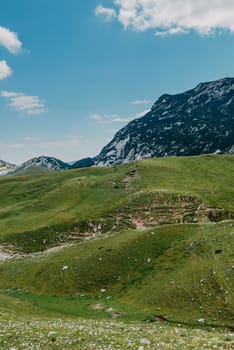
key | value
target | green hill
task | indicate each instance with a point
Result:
(184, 272)
(33, 170)
(148, 239)
(38, 212)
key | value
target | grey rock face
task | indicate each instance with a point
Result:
(198, 121)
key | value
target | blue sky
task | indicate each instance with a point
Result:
(77, 71)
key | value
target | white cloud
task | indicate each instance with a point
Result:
(32, 138)
(108, 119)
(107, 13)
(11, 145)
(9, 94)
(141, 114)
(121, 120)
(74, 139)
(58, 143)
(171, 17)
(171, 31)
(5, 70)
(10, 40)
(114, 118)
(30, 105)
(96, 116)
(140, 102)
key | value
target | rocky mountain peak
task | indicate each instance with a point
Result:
(198, 121)
(48, 162)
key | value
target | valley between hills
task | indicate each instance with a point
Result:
(143, 250)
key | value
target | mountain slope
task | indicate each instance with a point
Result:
(83, 163)
(5, 167)
(39, 165)
(198, 121)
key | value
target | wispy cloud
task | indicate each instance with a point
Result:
(5, 70)
(11, 145)
(140, 102)
(114, 118)
(107, 13)
(74, 139)
(141, 114)
(32, 138)
(40, 142)
(10, 40)
(108, 118)
(170, 17)
(26, 104)
(98, 117)
(171, 31)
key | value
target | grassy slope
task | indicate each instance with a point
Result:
(181, 271)
(208, 177)
(37, 210)
(34, 170)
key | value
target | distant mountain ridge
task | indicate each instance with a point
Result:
(42, 163)
(48, 162)
(6, 164)
(5, 167)
(83, 163)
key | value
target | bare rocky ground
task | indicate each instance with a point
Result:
(8, 253)
(4, 255)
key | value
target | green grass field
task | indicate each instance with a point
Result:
(126, 245)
